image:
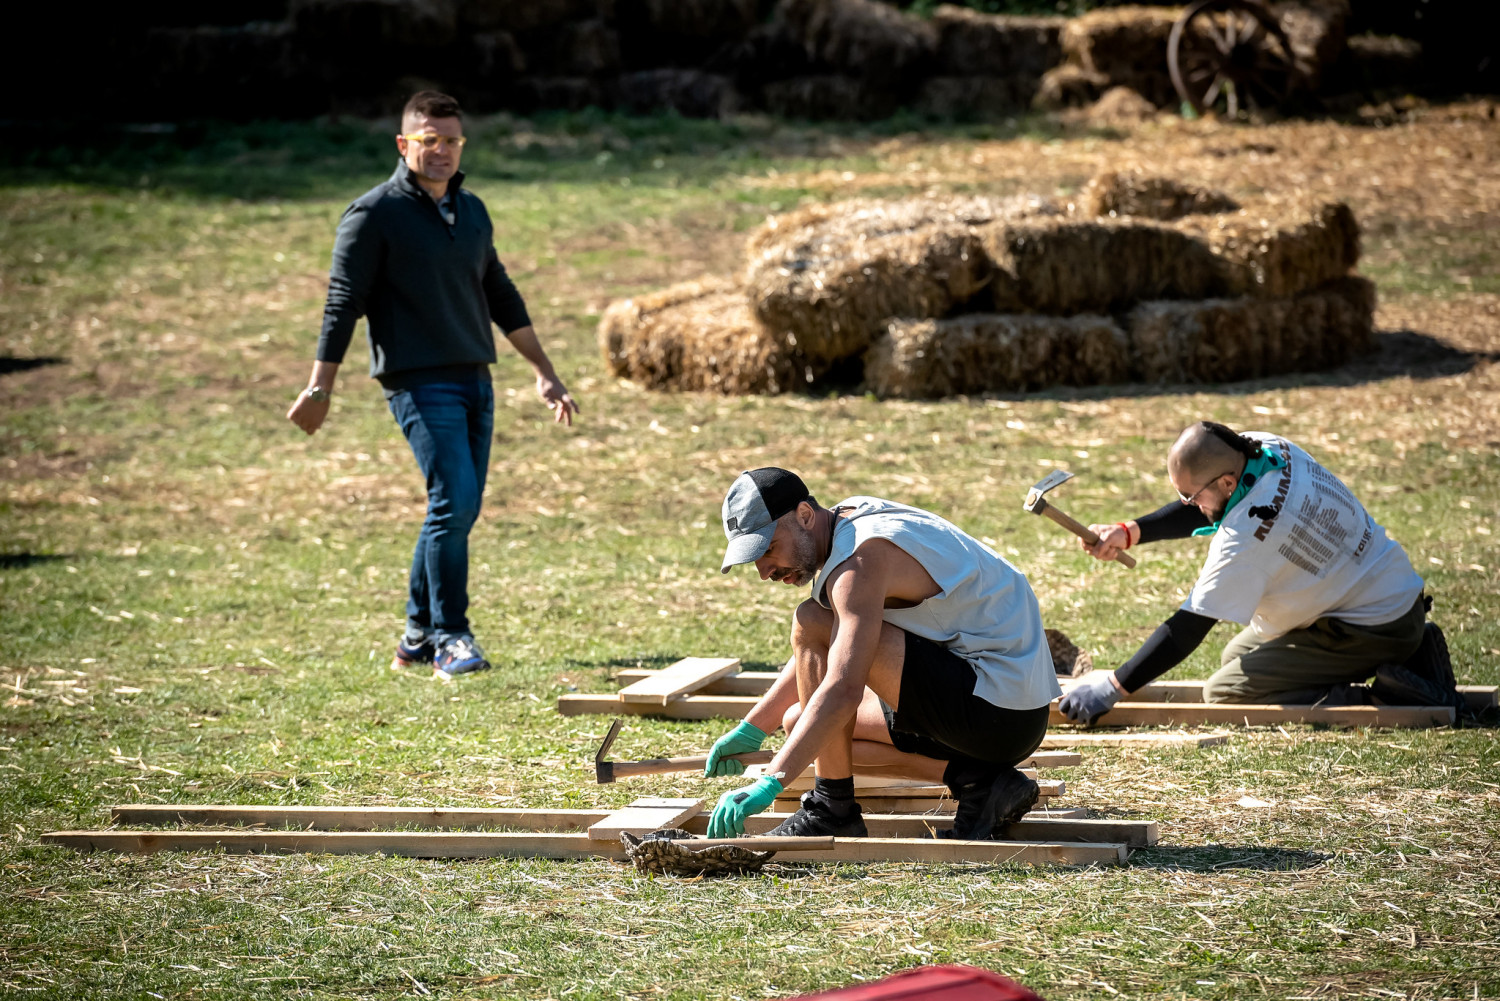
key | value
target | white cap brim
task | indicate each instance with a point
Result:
(748, 547)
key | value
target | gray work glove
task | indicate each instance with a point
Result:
(1091, 698)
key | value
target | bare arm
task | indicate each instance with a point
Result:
(768, 713)
(548, 386)
(309, 414)
(857, 591)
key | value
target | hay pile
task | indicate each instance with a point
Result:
(1127, 46)
(832, 277)
(860, 37)
(1226, 340)
(699, 335)
(995, 45)
(985, 352)
(1142, 278)
(1121, 193)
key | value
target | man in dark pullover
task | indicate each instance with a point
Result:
(416, 257)
(1328, 598)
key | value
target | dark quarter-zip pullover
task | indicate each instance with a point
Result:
(429, 289)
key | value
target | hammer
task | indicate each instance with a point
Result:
(1036, 503)
(608, 771)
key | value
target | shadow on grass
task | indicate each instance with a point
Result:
(1217, 858)
(10, 363)
(20, 561)
(338, 158)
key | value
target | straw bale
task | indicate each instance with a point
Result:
(223, 71)
(1316, 31)
(1069, 86)
(706, 20)
(985, 352)
(831, 275)
(691, 93)
(971, 98)
(1226, 340)
(496, 57)
(1278, 251)
(1127, 46)
(1074, 265)
(354, 25)
(1121, 105)
(528, 15)
(1133, 193)
(861, 37)
(1371, 64)
(827, 97)
(1018, 48)
(766, 54)
(699, 335)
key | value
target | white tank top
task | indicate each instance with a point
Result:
(985, 611)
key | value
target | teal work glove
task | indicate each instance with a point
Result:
(744, 737)
(728, 820)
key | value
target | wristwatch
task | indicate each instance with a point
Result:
(317, 394)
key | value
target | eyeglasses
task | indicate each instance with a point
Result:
(1189, 498)
(431, 140)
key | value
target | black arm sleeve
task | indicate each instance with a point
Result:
(507, 308)
(1169, 646)
(1171, 521)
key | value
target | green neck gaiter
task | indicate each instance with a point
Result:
(1255, 468)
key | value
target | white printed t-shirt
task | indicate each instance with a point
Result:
(1298, 547)
(985, 612)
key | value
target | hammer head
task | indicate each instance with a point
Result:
(604, 771)
(1034, 497)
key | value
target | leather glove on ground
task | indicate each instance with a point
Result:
(1091, 698)
(745, 737)
(728, 820)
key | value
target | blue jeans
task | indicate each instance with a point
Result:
(449, 426)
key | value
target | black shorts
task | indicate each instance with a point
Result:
(941, 717)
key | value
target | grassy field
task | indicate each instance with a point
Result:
(197, 603)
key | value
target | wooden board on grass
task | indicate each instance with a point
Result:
(687, 707)
(686, 676)
(1214, 714)
(645, 815)
(442, 844)
(1479, 697)
(1064, 738)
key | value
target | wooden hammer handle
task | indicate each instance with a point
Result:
(1082, 532)
(659, 766)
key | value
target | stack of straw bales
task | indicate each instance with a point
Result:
(987, 65)
(1125, 46)
(1145, 279)
(831, 277)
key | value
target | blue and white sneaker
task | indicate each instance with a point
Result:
(410, 654)
(460, 655)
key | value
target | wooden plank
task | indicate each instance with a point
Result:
(1479, 697)
(645, 815)
(687, 675)
(687, 707)
(1036, 826)
(439, 844)
(1209, 714)
(1172, 739)
(877, 787)
(355, 818)
(744, 683)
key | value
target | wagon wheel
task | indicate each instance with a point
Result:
(1231, 54)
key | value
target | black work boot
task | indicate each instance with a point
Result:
(1425, 679)
(988, 805)
(815, 819)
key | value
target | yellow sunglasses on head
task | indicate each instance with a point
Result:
(430, 140)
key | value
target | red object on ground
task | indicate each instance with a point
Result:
(933, 983)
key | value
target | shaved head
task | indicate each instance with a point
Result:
(1206, 449)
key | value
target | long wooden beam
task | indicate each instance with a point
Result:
(443, 844)
(1479, 697)
(1040, 825)
(1214, 714)
(1173, 738)
(687, 707)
